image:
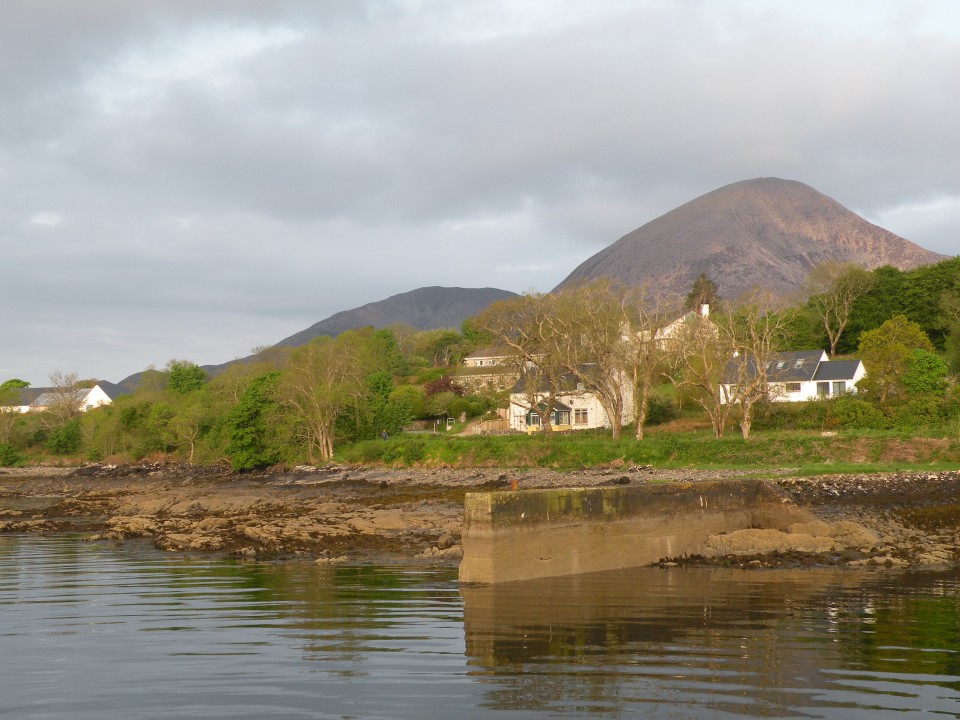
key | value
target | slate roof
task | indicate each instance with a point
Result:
(800, 366)
(837, 370)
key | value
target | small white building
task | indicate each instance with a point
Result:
(804, 375)
(574, 408)
(41, 399)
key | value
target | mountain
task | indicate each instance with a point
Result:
(767, 232)
(426, 308)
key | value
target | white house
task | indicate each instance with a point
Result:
(574, 408)
(40, 399)
(488, 369)
(804, 375)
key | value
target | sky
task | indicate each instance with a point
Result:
(191, 179)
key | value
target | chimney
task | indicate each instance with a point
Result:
(705, 310)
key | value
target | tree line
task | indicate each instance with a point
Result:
(622, 344)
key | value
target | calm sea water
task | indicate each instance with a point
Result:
(91, 630)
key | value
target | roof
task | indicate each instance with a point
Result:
(568, 383)
(54, 395)
(490, 352)
(837, 370)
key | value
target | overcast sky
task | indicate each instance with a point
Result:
(193, 178)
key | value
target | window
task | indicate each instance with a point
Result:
(533, 420)
(839, 387)
(780, 365)
(561, 417)
(793, 387)
(580, 417)
(823, 389)
(798, 364)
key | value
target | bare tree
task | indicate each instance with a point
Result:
(526, 328)
(834, 287)
(589, 324)
(755, 332)
(65, 399)
(647, 312)
(700, 351)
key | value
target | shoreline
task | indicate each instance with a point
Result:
(335, 513)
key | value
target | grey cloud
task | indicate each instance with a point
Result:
(376, 147)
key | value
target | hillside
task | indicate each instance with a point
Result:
(423, 309)
(767, 232)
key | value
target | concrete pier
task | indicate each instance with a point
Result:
(521, 535)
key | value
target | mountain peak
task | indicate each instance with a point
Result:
(766, 231)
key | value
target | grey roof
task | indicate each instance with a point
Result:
(53, 396)
(837, 370)
(799, 366)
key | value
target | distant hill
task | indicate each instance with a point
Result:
(426, 308)
(423, 309)
(767, 232)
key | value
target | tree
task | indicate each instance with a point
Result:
(834, 287)
(65, 399)
(591, 323)
(13, 384)
(526, 327)
(185, 376)
(250, 445)
(322, 379)
(703, 292)
(645, 349)
(700, 353)
(925, 373)
(755, 332)
(886, 352)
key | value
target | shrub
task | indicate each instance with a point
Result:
(917, 412)
(853, 413)
(8, 456)
(660, 410)
(64, 439)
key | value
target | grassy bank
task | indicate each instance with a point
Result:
(807, 451)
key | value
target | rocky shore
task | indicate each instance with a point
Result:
(338, 513)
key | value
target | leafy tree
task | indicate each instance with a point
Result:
(323, 379)
(886, 352)
(251, 445)
(13, 384)
(410, 397)
(703, 292)
(185, 376)
(925, 373)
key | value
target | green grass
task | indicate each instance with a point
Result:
(810, 451)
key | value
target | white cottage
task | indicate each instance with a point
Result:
(804, 375)
(40, 399)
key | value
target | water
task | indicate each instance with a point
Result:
(91, 630)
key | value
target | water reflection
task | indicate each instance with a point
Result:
(89, 630)
(685, 642)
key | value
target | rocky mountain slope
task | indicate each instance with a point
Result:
(423, 309)
(767, 232)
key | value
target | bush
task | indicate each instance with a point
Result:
(660, 410)
(916, 413)
(64, 439)
(852, 413)
(8, 456)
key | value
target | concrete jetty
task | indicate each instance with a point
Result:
(522, 535)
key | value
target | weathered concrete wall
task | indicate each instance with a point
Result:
(522, 535)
